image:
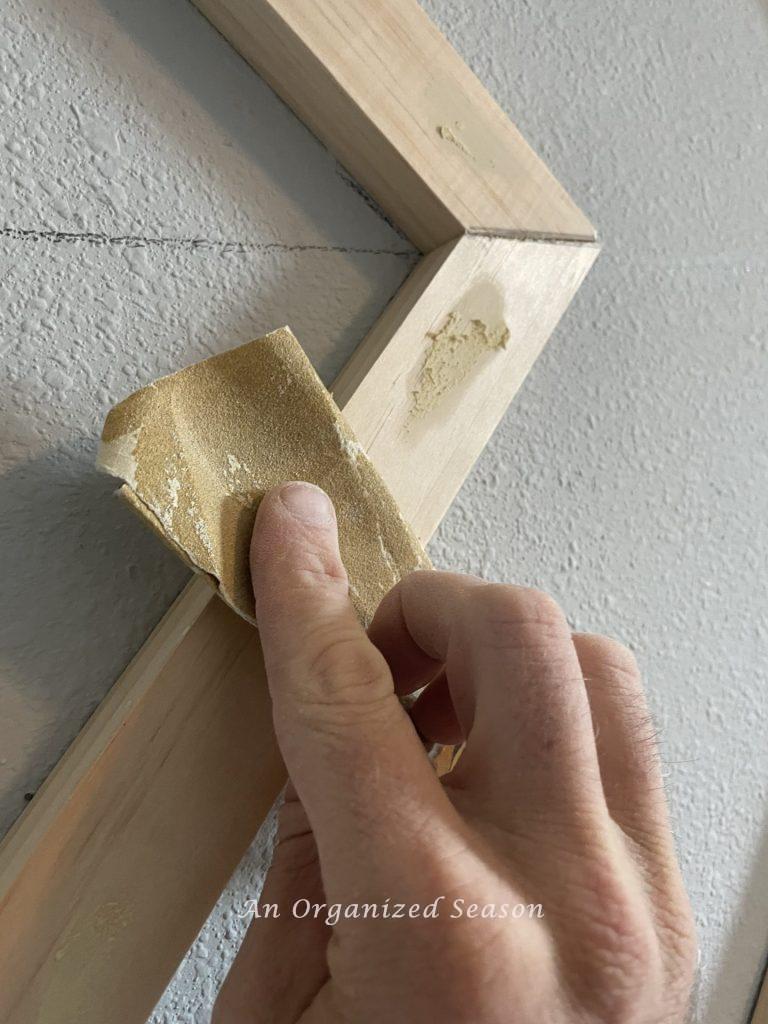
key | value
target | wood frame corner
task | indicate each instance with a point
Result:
(141, 813)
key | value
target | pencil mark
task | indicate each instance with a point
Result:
(369, 201)
(206, 244)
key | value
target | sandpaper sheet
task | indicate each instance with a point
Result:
(198, 450)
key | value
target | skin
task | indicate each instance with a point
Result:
(557, 800)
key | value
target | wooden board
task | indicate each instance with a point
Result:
(381, 86)
(525, 285)
(139, 827)
(109, 875)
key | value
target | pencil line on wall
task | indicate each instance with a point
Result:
(222, 246)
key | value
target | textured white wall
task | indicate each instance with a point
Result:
(159, 204)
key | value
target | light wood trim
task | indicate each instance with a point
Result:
(381, 86)
(425, 458)
(107, 877)
(106, 881)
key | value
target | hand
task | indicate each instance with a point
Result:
(556, 801)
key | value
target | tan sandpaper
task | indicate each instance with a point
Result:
(199, 449)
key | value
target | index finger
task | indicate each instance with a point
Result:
(350, 750)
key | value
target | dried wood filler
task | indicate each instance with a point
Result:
(198, 450)
(454, 351)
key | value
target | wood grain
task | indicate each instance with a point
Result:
(109, 874)
(105, 882)
(382, 87)
(523, 285)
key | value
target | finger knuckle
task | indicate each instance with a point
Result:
(297, 586)
(608, 653)
(342, 669)
(319, 569)
(294, 853)
(513, 616)
(618, 957)
(418, 577)
(291, 821)
(678, 936)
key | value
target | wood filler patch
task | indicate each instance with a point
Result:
(449, 134)
(453, 352)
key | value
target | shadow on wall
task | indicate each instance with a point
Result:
(73, 557)
(279, 178)
(82, 579)
(179, 38)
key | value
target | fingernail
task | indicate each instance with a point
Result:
(307, 503)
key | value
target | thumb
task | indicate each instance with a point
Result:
(350, 749)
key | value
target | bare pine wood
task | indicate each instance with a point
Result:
(114, 867)
(525, 285)
(140, 827)
(402, 112)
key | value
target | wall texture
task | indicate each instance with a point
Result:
(158, 204)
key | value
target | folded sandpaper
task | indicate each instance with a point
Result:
(198, 450)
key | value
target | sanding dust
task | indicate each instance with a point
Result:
(349, 445)
(449, 135)
(198, 450)
(454, 351)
